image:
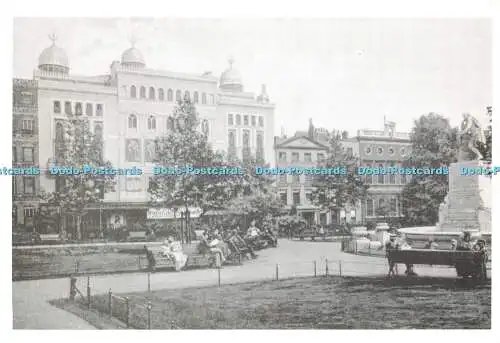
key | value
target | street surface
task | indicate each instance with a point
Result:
(294, 259)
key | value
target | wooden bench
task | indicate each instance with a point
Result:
(194, 261)
(137, 236)
(160, 261)
(312, 234)
(467, 263)
(50, 238)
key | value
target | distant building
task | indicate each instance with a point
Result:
(25, 154)
(130, 106)
(383, 148)
(375, 148)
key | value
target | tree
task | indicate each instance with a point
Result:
(486, 148)
(78, 146)
(186, 146)
(256, 207)
(434, 145)
(337, 191)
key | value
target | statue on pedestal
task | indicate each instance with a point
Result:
(470, 134)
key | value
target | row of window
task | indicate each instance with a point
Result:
(60, 132)
(247, 119)
(391, 179)
(390, 150)
(29, 216)
(152, 124)
(28, 185)
(151, 94)
(27, 154)
(295, 197)
(231, 139)
(77, 108)
(308, 178)
(383, 206)
(24, 125)
(282, 156)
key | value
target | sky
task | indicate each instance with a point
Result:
(345, 74)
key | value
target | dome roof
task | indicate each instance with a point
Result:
(231, 78)
(133, 56)
(53, 56)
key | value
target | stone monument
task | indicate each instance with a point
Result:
(468, 203)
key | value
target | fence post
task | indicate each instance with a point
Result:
(340, 268)
(277, 272)
(326, 268)
(72, 288)
(149, 282)
(218, 276)
(149, 315)
(88, 291)
(110, 305)
(127, 312)
(315, 272)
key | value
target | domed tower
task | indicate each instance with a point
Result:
(53, 58)
(230, 79)
(133, 58)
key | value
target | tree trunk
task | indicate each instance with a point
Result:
(78, 228)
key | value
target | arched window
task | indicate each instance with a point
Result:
(178, 96)
(59, 132)
(260, 146)
(187, 96)
(195, 97)
(170, 124)
(230, 120)
(205, 128)
(381, 177)
(151, 123)
(203, 98)
(161, 94)
(212, 99)
(170, 95)
(152, 93)
(143, 92)
(132, 121)
(133, 92)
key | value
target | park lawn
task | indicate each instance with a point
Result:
(316, 303)
(29, 264)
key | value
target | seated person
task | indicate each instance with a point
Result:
(217, 246)
(465, 242)
(453, 244)
(239, 242)
(173, 250)
(431, 244)
(253, 232)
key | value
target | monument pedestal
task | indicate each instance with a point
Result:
(468, 205)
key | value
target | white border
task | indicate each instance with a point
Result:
(215, 8)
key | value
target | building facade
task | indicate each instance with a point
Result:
(25, 189)
(383, 148)
(130, 107)
(374, 148)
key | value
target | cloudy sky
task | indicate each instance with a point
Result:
(343, 73)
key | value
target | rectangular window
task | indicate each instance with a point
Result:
(308, 178)
(89, 109)
(282, 156)
(78, 109)
(67, 108)
(295, 157)
(404, 179)
(29, 185)
(14, 154)
(309, 197)
(282, 179)
(27, 125)
(284, 198)
(230, 119)
(14, 185)
(369, 208)
(29, 211)
(261, 121)
(98, 110)
(28, 155)
(238, 119)
(254, 121)
(295, 178)
(307, 157)
(57, 107)
(392, 178)
(368, 177)
(321, 157)
(296, 198)
(245, 120)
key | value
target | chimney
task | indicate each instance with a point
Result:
(310, 132)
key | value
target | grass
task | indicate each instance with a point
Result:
(59, 262)
(315, 303)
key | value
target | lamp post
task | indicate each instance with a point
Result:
(98, 192)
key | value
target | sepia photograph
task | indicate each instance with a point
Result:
(251, 174)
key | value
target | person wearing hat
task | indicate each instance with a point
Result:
(464, 242)
(454, 244)
(177, 254)
(389, 246)
(431, 244)
(237, 241)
